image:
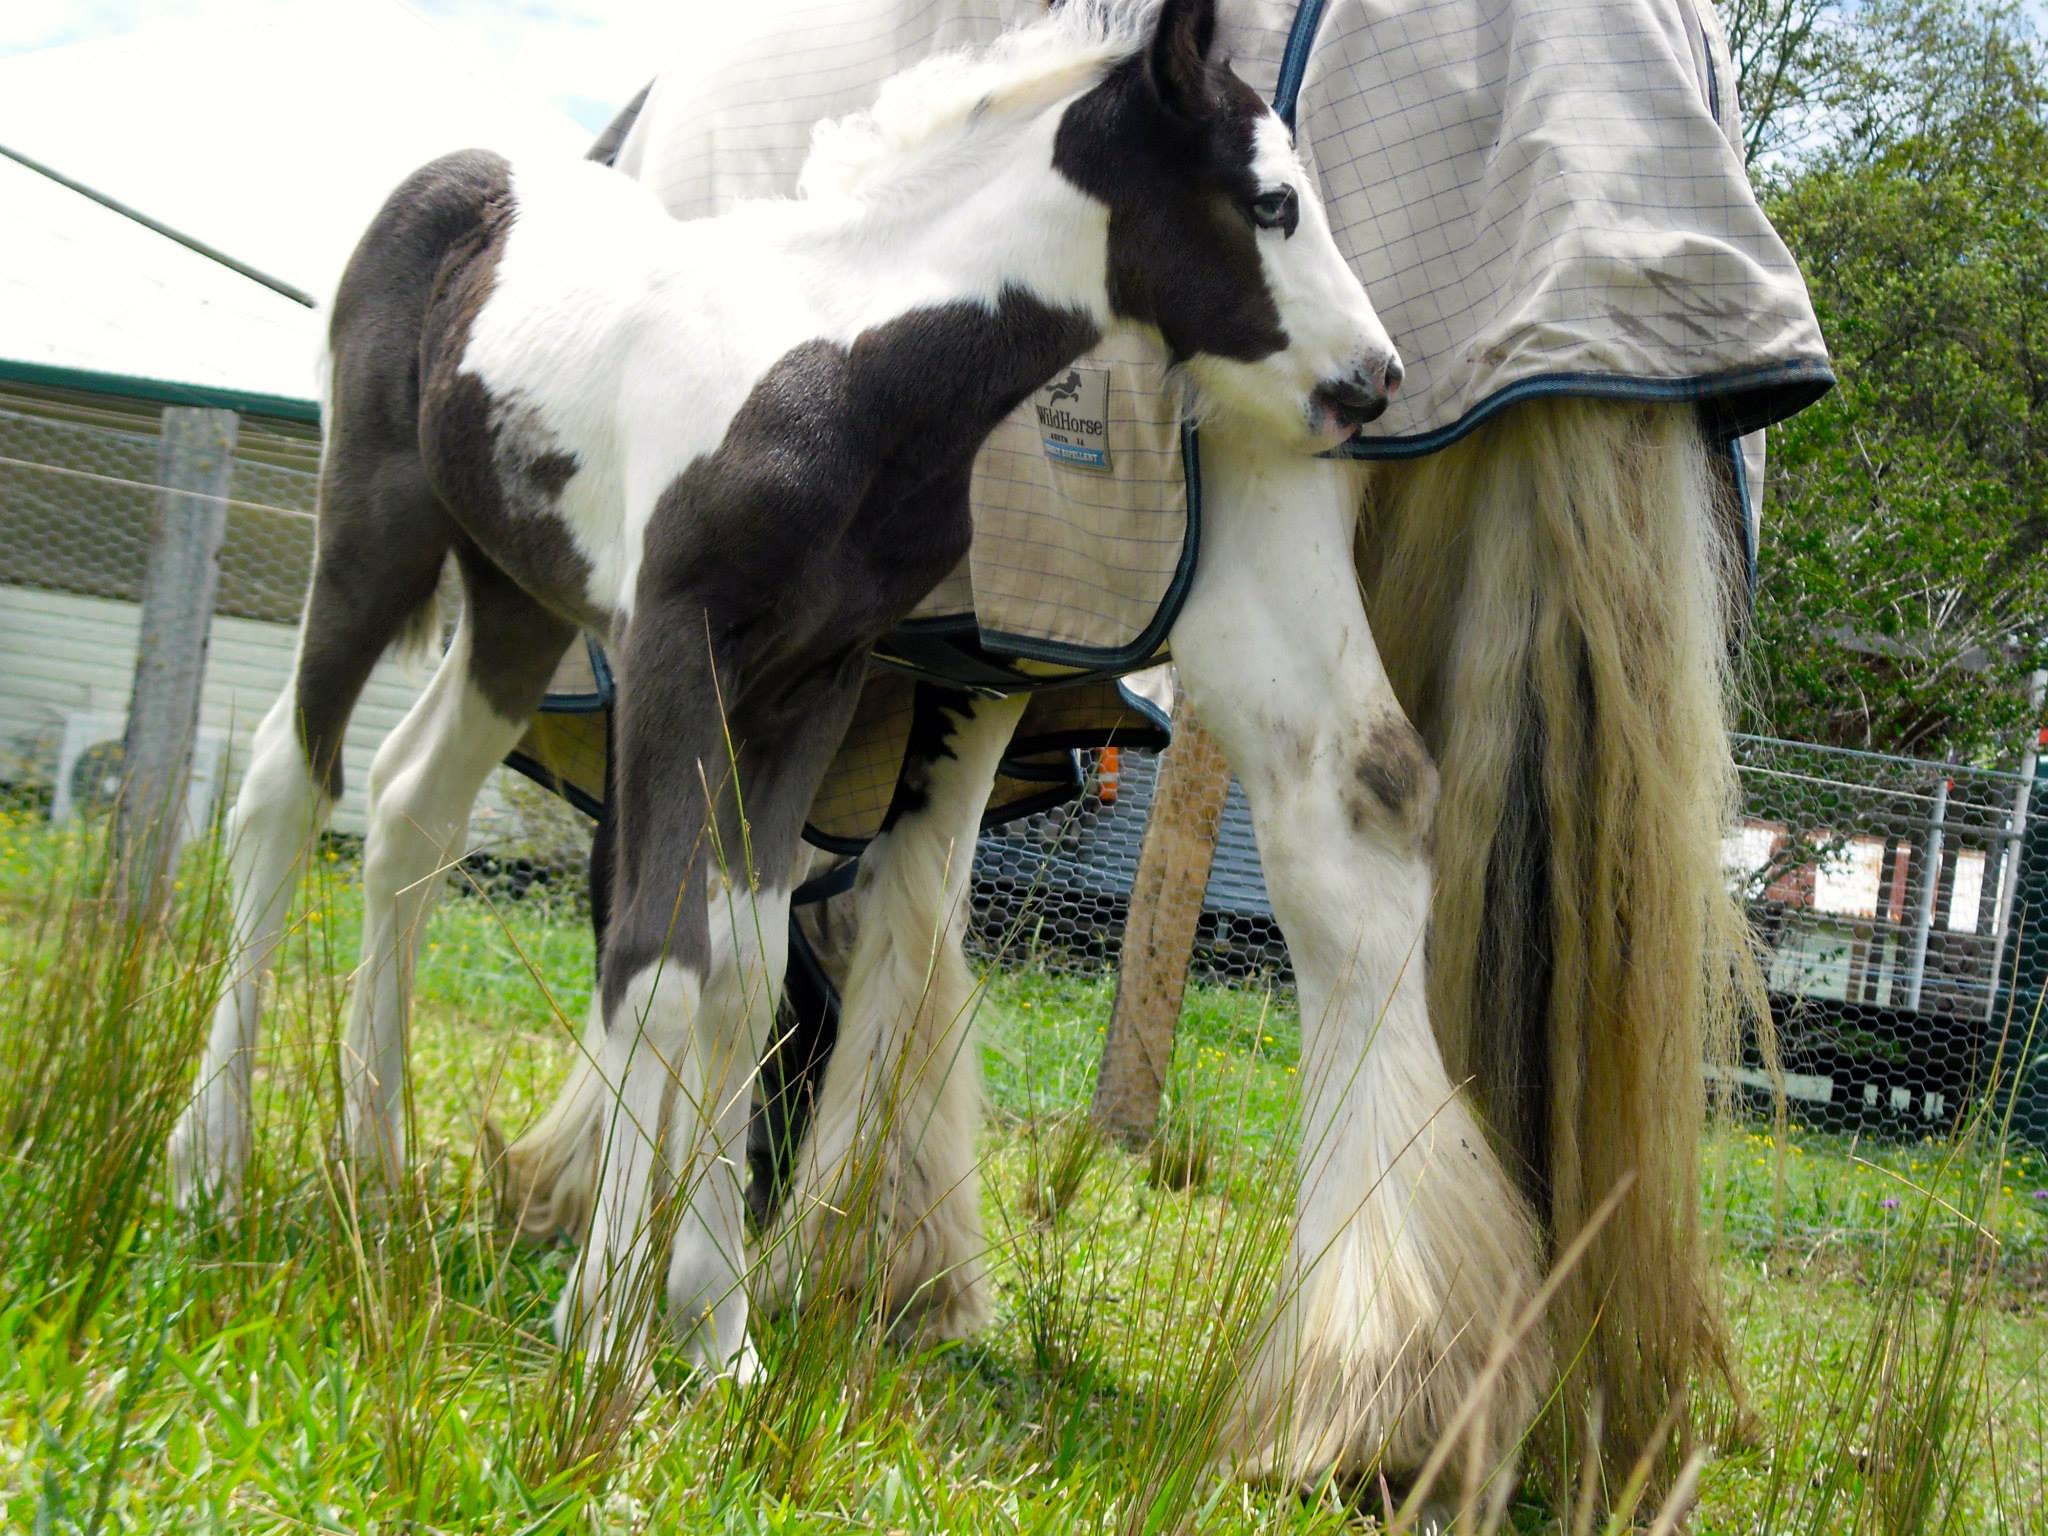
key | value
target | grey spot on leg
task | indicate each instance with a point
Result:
(1393, 782)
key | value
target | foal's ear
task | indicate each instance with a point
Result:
(1178, 60)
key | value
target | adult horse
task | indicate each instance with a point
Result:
(1524, 757)
(738, 448)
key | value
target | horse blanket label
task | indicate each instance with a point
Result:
(1073, 418)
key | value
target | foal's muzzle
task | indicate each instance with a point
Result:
(1362, 397)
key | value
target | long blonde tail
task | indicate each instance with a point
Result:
(1549, 596)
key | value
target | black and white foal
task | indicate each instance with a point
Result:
(739, 450)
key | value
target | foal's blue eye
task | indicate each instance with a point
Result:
(1278, 209)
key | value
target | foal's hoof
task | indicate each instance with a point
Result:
(743, 1370)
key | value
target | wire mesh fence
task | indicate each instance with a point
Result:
(78, 496)
(1895, 901)
(1892, 897)
(1053, 890)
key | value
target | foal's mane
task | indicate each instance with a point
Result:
(944, 108)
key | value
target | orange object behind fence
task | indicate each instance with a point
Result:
(1108, 765)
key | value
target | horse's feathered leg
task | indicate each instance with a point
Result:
(1553, 591)
(1411, 1250)
(886, 1191)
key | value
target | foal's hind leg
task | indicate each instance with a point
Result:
(280, 809)
(1412, 1252)
(422, 785)
(886, 1191)
(382, 539)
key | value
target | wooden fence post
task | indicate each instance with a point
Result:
(1159, 935)
(195, 467)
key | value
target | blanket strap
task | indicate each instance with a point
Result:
(1301, 41)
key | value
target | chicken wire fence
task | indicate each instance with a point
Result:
(78, 495)
(1053, 890)
(1902, 910)
(77, 498)
(1892, 897)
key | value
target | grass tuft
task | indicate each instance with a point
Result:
(1182, 1150)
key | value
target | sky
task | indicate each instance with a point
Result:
(87, 86)
(586, 56)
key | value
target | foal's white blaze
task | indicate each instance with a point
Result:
(1333, 333)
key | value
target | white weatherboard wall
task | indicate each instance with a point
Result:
(60, 652)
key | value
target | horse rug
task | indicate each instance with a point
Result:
(1543, 197)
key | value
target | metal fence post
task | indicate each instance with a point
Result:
(1159, 934)
(195, 466)
(1930, 886)
(2009, 865)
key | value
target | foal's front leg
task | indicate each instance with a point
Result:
(693, 965)
(890, 1147)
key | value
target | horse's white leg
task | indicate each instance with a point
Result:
(423, 782)
(1411, 1250)
(885, 1189)
(674, 1076)
(383, 538)
(278, 812)
(683, 1076)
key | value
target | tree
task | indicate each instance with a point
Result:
(1903, 600)
(1783, 70)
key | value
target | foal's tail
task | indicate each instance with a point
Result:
(396, 331)
(1550, 596)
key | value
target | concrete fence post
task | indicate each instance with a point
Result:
(195, 468)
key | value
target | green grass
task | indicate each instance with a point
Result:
(317, 1369)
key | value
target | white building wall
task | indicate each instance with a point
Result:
(61, 653)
